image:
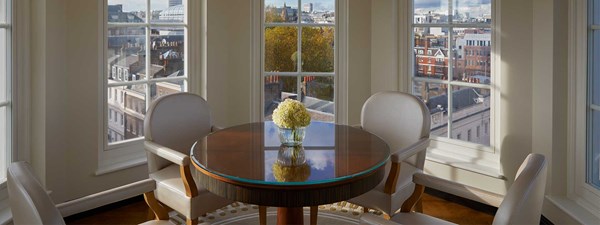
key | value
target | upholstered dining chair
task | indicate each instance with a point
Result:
(30, 204)
(173, 123)
(522, 204)
(402, 120)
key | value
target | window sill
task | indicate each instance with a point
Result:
(563, 210)
(466, 156)
(465, 164)
(125, 157)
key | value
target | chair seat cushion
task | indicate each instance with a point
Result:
(171, 191)
(157, 222)
(418, 218)
(379, 200)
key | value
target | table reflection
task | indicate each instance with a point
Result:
(307, 165)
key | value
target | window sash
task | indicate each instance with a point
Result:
(593, 152)
(449, 82)
(6, 150)
(298, 73)
(148, 25)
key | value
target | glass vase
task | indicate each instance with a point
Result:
(291, 136)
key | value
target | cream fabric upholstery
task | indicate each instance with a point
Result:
(522, 204)
(171, 192)
(403, 121)
(172, 125)
(30, 204)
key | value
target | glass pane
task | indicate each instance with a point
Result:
(168, 87)
(596, 11)
(281, 47)
(167, 52)
(126, 11)
(3, 11)
(318, 11)
(595, 67)
(281, 11)
(471, 115)
(473, 55)
(126, 54)
(278, 88)
(593, 164)
(4, 53)
(435, 97)
(167, 11)
(431, 52)
(317, 49)
(472, 11)
(317, 96)
(126, 110)
(4, 141)
(430, 11)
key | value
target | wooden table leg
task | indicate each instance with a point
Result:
(290, 216)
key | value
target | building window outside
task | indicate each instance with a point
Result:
(593, 99)
(5, 87)
(458, 29)
(148, 52)
(299, 31)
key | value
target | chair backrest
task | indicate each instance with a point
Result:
(29, 202)
(398, 118)
(522, 203)
(176, 121)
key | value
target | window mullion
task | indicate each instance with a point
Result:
(299, 58)
(450, 72)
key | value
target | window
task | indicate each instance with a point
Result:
(593, 99)
(5, 87)
(299, 31)
(146, 45)
(461, 92)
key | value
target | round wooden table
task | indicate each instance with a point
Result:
(247, 163)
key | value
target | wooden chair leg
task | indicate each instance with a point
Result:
(414, 199)
(160, 212)
(189, 221)
(314, 213)
(262, 215)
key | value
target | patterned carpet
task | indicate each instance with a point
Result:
(341, 213)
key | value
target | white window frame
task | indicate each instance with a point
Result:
(340, 96)
(578, 189)
(130, 153)
(8, 103)
(18, 64)
(456, 153)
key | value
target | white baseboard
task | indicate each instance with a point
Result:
(106, 197)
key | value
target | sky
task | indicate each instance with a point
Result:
(140, 5)
(438, 3)
(320, 5)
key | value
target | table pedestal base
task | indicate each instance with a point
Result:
(290, 216)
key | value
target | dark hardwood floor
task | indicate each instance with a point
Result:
(435, 203)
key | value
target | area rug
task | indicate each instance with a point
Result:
(340, 213)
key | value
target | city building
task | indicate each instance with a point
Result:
(307, 8)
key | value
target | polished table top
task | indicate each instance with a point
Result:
(249, 153)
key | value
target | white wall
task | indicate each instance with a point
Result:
(64, 76)
(64, 92)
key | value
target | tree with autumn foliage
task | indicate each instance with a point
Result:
(317, 54)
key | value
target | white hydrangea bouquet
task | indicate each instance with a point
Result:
(291, 117)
